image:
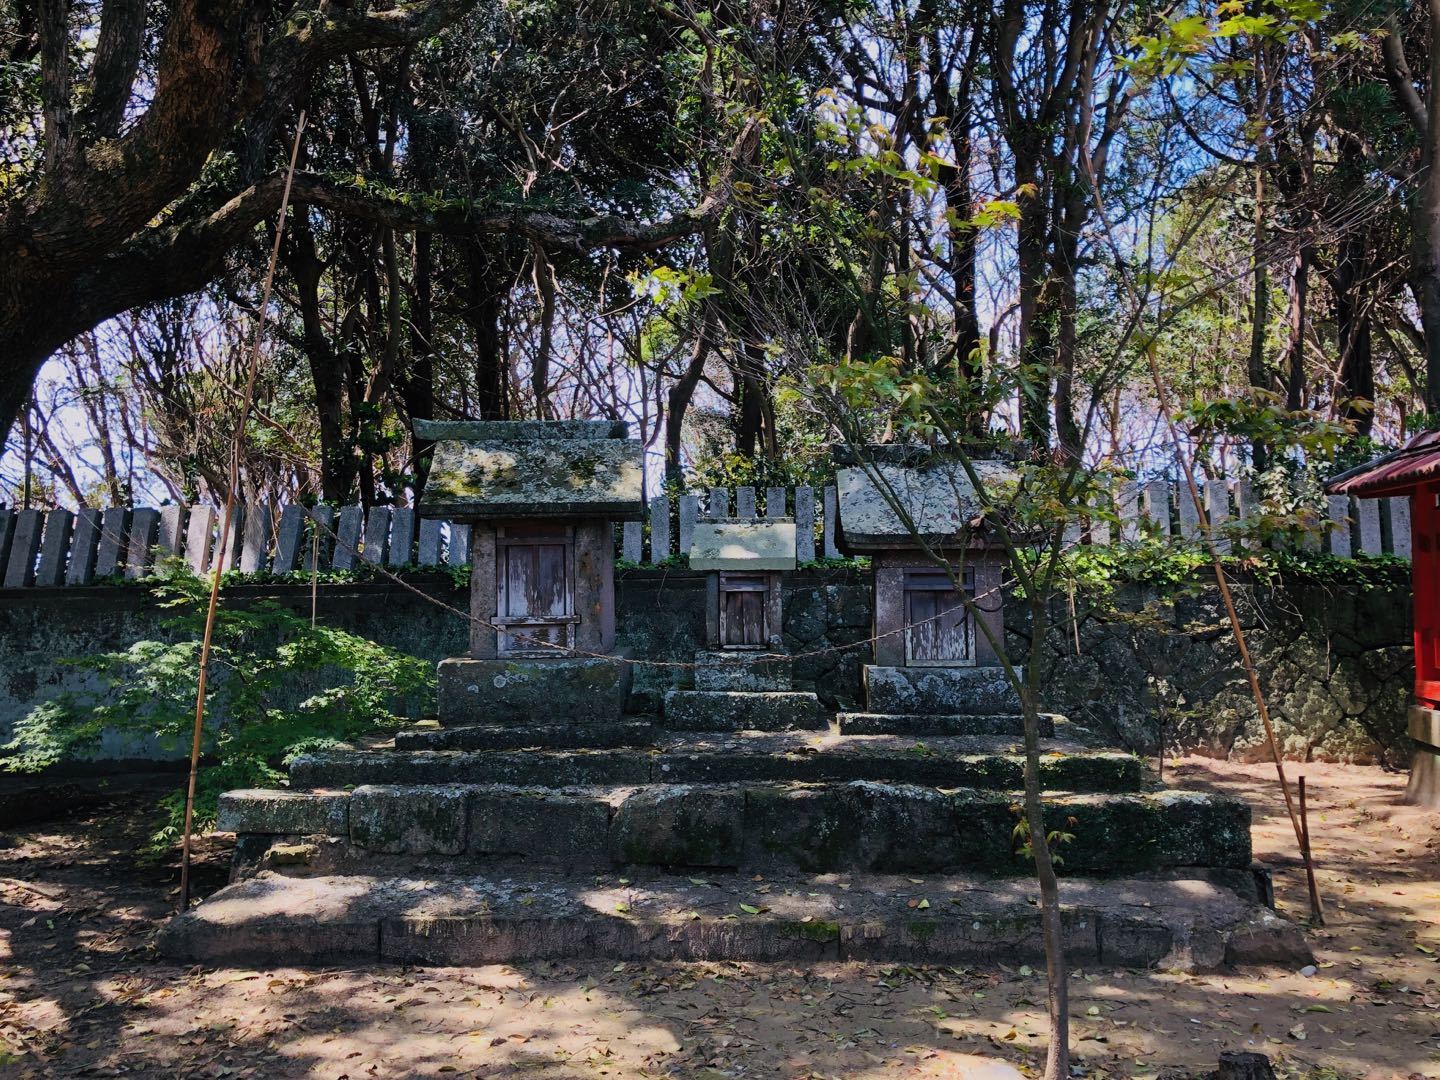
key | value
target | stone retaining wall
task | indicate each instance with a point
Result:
(1335, 660)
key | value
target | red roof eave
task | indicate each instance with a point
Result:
(1397, 473)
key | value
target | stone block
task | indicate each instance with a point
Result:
(743, 545)
(519, 768)
(950, 691)
(728, 710)
(284, 813)
(680, 825)
(409, 819)
(545, 690)
(870, 826)
(1012, 724)
(561, 827)
(741, 671)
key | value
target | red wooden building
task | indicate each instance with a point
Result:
(1413, 471)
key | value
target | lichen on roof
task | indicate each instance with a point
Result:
(533, 469)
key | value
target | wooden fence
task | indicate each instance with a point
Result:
(61, 547)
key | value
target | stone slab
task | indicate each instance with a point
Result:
(680, 825)
(858, 723)
(590, 736)
(410, 819)
(942, 690)
(532, 691)
(743, 545)
(724, 757)
(719, 670)
(874, 827)
(270, 919)
(284, 813)
(522, 768)
(562, 827)
(938, 498)
(733, 710)
(522, 476)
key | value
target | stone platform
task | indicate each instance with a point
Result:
(504, 842)
(1188, 925)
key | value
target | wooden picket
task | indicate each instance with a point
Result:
(40, 548)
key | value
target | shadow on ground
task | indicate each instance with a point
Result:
(82, 992)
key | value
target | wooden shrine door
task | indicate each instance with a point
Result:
(939, 631)
(535, 593)
(743, 611)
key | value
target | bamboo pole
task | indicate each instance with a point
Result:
(227, 522)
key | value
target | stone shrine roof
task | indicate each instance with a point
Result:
(743, 544)
(535, 469)
(934, 492)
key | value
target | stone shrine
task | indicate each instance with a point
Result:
(743, 676)
(541, 499)
(539, 822)
(911, 510)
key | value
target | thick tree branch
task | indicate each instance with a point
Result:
(1397, 73)
(117, 58)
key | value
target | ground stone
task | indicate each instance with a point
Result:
(938, 690)
(409, 819)
(514, 691)
(680, 825)
(568, 828)
(284, 813)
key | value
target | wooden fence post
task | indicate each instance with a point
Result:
(660, 528)
(804, 523)
(83, 544)
(140, 554)
(53, 546)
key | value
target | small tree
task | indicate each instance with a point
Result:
(259, 654)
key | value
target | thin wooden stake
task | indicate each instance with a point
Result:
(1317, 912)
(227, 522)
(314, 575)
(1252, 675)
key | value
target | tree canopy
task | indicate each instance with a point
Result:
(672, 211)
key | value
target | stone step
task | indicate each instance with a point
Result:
(941, 690)
(273, 920)
(864, 723)
(742, 671)
(861, 826)
(599, 735)
(735, 710)
(745, 756)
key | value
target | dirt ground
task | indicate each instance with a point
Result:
(82, 992)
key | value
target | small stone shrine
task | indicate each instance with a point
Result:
(912, 511)
(541, 499)
(742, 677)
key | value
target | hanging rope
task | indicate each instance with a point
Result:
(227, 521)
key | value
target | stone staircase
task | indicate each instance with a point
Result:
(880, 835)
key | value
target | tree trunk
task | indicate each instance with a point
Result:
(485, 295)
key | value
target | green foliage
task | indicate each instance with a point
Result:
(1177, 567)
(261, 657)
(1055, 838)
